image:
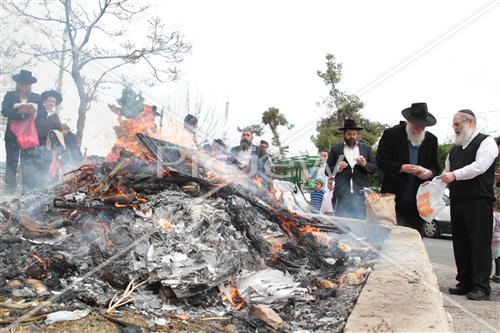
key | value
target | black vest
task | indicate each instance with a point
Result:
(479, 187)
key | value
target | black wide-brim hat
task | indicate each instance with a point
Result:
(52, 93)
(419, 115)
(350, 124)
(24, 77)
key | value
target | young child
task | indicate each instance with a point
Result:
(495, 241)
(327, 205)
(317, 195)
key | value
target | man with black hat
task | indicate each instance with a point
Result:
(50, 99)
(407, 156)
(19, 105)
(352, 172)
(51, 135)
(469, 173)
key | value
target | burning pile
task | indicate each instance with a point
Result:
(203, 245)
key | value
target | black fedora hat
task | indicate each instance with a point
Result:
(350, 124)
(24, 77)
(419, 115)
(52, 93)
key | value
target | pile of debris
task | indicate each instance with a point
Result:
(174, 242)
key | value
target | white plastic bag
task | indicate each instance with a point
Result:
(430, 200)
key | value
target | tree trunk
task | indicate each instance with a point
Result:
(276, 140)
(80, 124)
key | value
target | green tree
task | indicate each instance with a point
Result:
(274, 118)
(343, 106)
(130, 103)
(443, 150)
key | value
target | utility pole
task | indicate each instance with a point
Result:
(226, 116)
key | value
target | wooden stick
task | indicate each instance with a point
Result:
(214, 318)
(22, 320)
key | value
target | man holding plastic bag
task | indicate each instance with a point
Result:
(22, 107)
(469, 173)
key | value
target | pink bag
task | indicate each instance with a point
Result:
(25, 132)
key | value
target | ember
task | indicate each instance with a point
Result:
(234, 299)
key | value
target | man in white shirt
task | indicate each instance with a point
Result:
(352, 173)
(327, 204)
(469, 173)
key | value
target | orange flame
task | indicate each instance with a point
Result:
(316, 232)
(277, 248)
(126, 134)
(287, 225)
(234, 299)
(258, 181)
(145, 123)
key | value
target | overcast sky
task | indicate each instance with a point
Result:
(257, 54)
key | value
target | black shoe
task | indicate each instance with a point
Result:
(478, 295)
(458, 290)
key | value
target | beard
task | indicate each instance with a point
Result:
(245, 145)
(464, 134)
(350, 142)
(416, 139)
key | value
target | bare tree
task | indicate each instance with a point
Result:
(98, 34)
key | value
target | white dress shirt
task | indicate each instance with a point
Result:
(485, 156)
(351, 154)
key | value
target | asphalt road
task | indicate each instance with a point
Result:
(440, 250)
(467, 316)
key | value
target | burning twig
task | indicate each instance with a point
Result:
(39, 260)
(126, 297)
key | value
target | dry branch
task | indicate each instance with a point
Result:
(126, 297)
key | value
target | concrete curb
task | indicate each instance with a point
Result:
(401, 294)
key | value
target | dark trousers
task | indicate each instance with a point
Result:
(31, 169)
(472, 229)
(12, 161)
(350, 205)
(407, 216)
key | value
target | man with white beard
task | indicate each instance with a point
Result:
(407, 156)
(470, 173)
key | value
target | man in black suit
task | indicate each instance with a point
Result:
(407, 156)
(352, 172)
(19, 105)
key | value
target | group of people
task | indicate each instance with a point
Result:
(407, 156)
(249, 158)
(35, 138)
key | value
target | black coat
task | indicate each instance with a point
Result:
(11, 98)
(359, 175)
(393, 152)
